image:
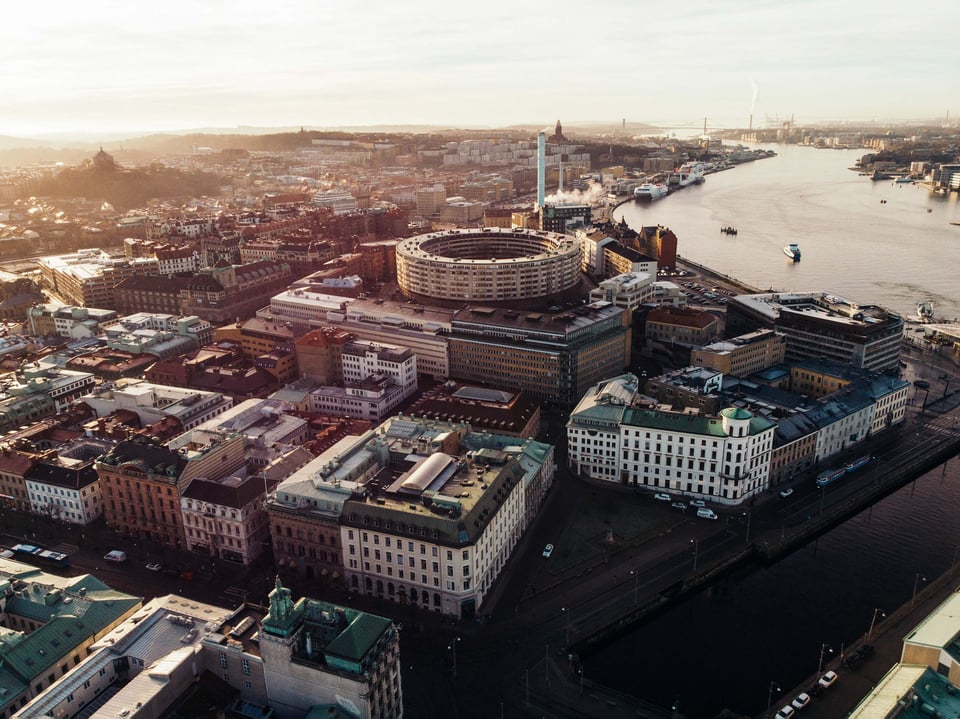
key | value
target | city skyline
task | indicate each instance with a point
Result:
(118, 68)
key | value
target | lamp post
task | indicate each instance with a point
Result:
(566, 611)
(696, 552)
(773, 686)
(874, 621)
(453, 647)
(823, 649)
(916, 582)
(636, 585)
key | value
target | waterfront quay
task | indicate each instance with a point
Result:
(622, 557)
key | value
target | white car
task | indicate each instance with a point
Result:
(828, 679)
(697, 503)
(786, 712)
(154, 567)
(548, 550)
(801, 701)
(784, 493)
(662, 496)
(706, 513)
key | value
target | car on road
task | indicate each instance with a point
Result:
(801, 701)
(786, 712)
(858, 656)
(154, 566)
(921, 384)
(548, 550)
(697, 503)
(187, 575)
(706, 513)
(784, 493)
(171, 572)
(828, 679)
(662, 496)
(679, 505)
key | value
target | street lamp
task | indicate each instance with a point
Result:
(453, 647)
(823, 649)
(696, 552)
(566, 611)
(636, 585)
(916, 582)
(874, 621)
(773, 686)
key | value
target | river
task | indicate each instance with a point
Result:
(894, 253)
(723, 647)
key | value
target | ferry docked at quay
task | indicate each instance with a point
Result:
(650, 191)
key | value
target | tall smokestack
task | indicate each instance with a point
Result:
(541, 167)
(750, 126)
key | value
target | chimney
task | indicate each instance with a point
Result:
(541, 167)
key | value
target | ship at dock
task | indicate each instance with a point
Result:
(650, 191)
(925, 311)
(792, 251)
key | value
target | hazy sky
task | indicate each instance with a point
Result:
(174, 64)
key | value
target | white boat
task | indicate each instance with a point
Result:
(925, 311)
(792, 251)
(650, 191)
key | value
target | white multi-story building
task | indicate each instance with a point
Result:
(66, 488)
(362, 359)
(615, 436)
(224, 518)
(629, 290)
(153, 402)
(340, 201)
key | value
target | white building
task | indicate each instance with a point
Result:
(153, 402)
(616, 435)
(629, 290)
(340, 201)
(66, 488)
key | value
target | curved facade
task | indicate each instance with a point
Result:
(492, 264)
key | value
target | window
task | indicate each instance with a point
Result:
(223, 660)
(245, 667)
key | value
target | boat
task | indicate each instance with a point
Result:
(903, 180)
(650, 191)
(792, 251)
(925, 311)
(728, 230)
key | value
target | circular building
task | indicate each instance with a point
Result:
(492, 264)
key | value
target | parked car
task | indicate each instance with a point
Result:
(186, 575)
(784, 493)
(662, 496)
(548, 550)
(705, 513)
(828, 679)
(854, 658)
(115, 556)
(697, 503)
(154, 566)
(786, 712)
(801, 701)
(679, 505)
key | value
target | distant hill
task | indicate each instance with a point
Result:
(126, 189)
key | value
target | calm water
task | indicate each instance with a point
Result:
(723, 647)
(892, 254)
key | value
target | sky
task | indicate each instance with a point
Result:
(106, 66)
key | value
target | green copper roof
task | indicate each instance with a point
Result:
(359, 637)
